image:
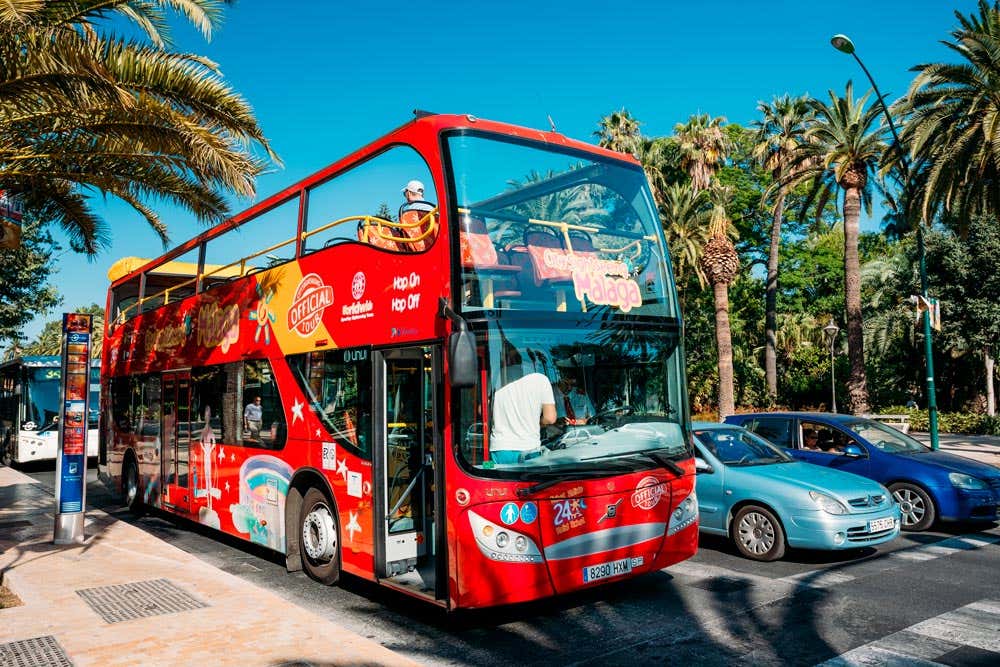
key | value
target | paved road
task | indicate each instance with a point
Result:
(931, 597)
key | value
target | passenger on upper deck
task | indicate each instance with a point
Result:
(414, 193)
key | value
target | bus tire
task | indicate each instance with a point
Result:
(319, 538)
(7, 451)
(130, 488)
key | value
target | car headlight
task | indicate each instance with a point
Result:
(963, 481)
(827, 504)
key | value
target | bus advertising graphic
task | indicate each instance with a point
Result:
(344, 388)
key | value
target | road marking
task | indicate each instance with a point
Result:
(827, 578)
(975, 625)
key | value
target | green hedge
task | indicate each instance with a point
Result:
(971, 423)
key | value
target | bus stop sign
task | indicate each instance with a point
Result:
(71, 462)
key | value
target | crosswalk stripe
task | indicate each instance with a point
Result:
(976, 624)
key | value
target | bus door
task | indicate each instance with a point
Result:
(176, 434)
(407, 452)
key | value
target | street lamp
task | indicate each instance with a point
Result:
(830, 332)
(844, 44)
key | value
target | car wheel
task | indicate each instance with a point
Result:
(319, 538)
(915, 506)
(757, 534)
(130, 488)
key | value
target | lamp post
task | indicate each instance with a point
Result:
(844, 44)
(830, 332)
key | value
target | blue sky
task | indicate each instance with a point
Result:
(325, 77)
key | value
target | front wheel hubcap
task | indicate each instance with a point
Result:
(319, 535)
(131, 485)
(756, 533)
(911, 506)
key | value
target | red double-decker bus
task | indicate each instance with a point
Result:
(472, 391)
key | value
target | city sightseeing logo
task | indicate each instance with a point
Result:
(312, 297)
(648, 493)
(359, 310)
(358, 285)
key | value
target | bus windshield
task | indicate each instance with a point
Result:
(618, 394)
(43, 388)
(554, 230)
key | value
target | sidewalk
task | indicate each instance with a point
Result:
(983, 448)
(164, 606)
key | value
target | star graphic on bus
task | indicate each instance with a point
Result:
(297, 410)
(222, 454)
(353, 526)
(342, 468)
(262, 315)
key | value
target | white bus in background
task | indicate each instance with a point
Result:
(30, 392)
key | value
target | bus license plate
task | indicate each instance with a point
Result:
(605, 570)
(885, 523)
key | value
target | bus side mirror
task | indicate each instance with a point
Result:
(462, 361)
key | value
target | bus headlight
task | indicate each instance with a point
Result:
(506, 545)
(685, 514)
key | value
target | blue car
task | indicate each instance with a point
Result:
(928, 485)
(764, 500)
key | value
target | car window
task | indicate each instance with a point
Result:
(735, 446)
(828, 440)
(885, 437)
(776, 429)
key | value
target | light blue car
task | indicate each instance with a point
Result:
(764, 500)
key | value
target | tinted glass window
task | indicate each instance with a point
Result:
(263, 415)
(777, 430)
(213, 402)
(337, 384)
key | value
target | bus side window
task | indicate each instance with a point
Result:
(262, 412)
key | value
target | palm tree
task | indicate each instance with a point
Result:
(952, 129)
(82, 112)
(619, 131)
(703, 147)
(842, 147)
(778, 136)
(721, 263)
(684, 215)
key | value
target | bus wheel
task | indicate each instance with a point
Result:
(319, 538)
(130, 487)
(7, 451)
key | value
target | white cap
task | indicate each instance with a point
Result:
(414, 186)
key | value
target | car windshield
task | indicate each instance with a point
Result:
(618, 393)
(738, 447)
(885, 437)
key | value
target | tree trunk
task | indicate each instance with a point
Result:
(991, 399)
(771, 301)
(724, 343)
(857, 384)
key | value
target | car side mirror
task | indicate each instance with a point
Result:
(853, 451)
(702, 466)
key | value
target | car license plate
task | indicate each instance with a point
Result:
(605, 570)
(885, 523)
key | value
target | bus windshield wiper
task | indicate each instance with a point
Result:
(654, 455)
(558, 479)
